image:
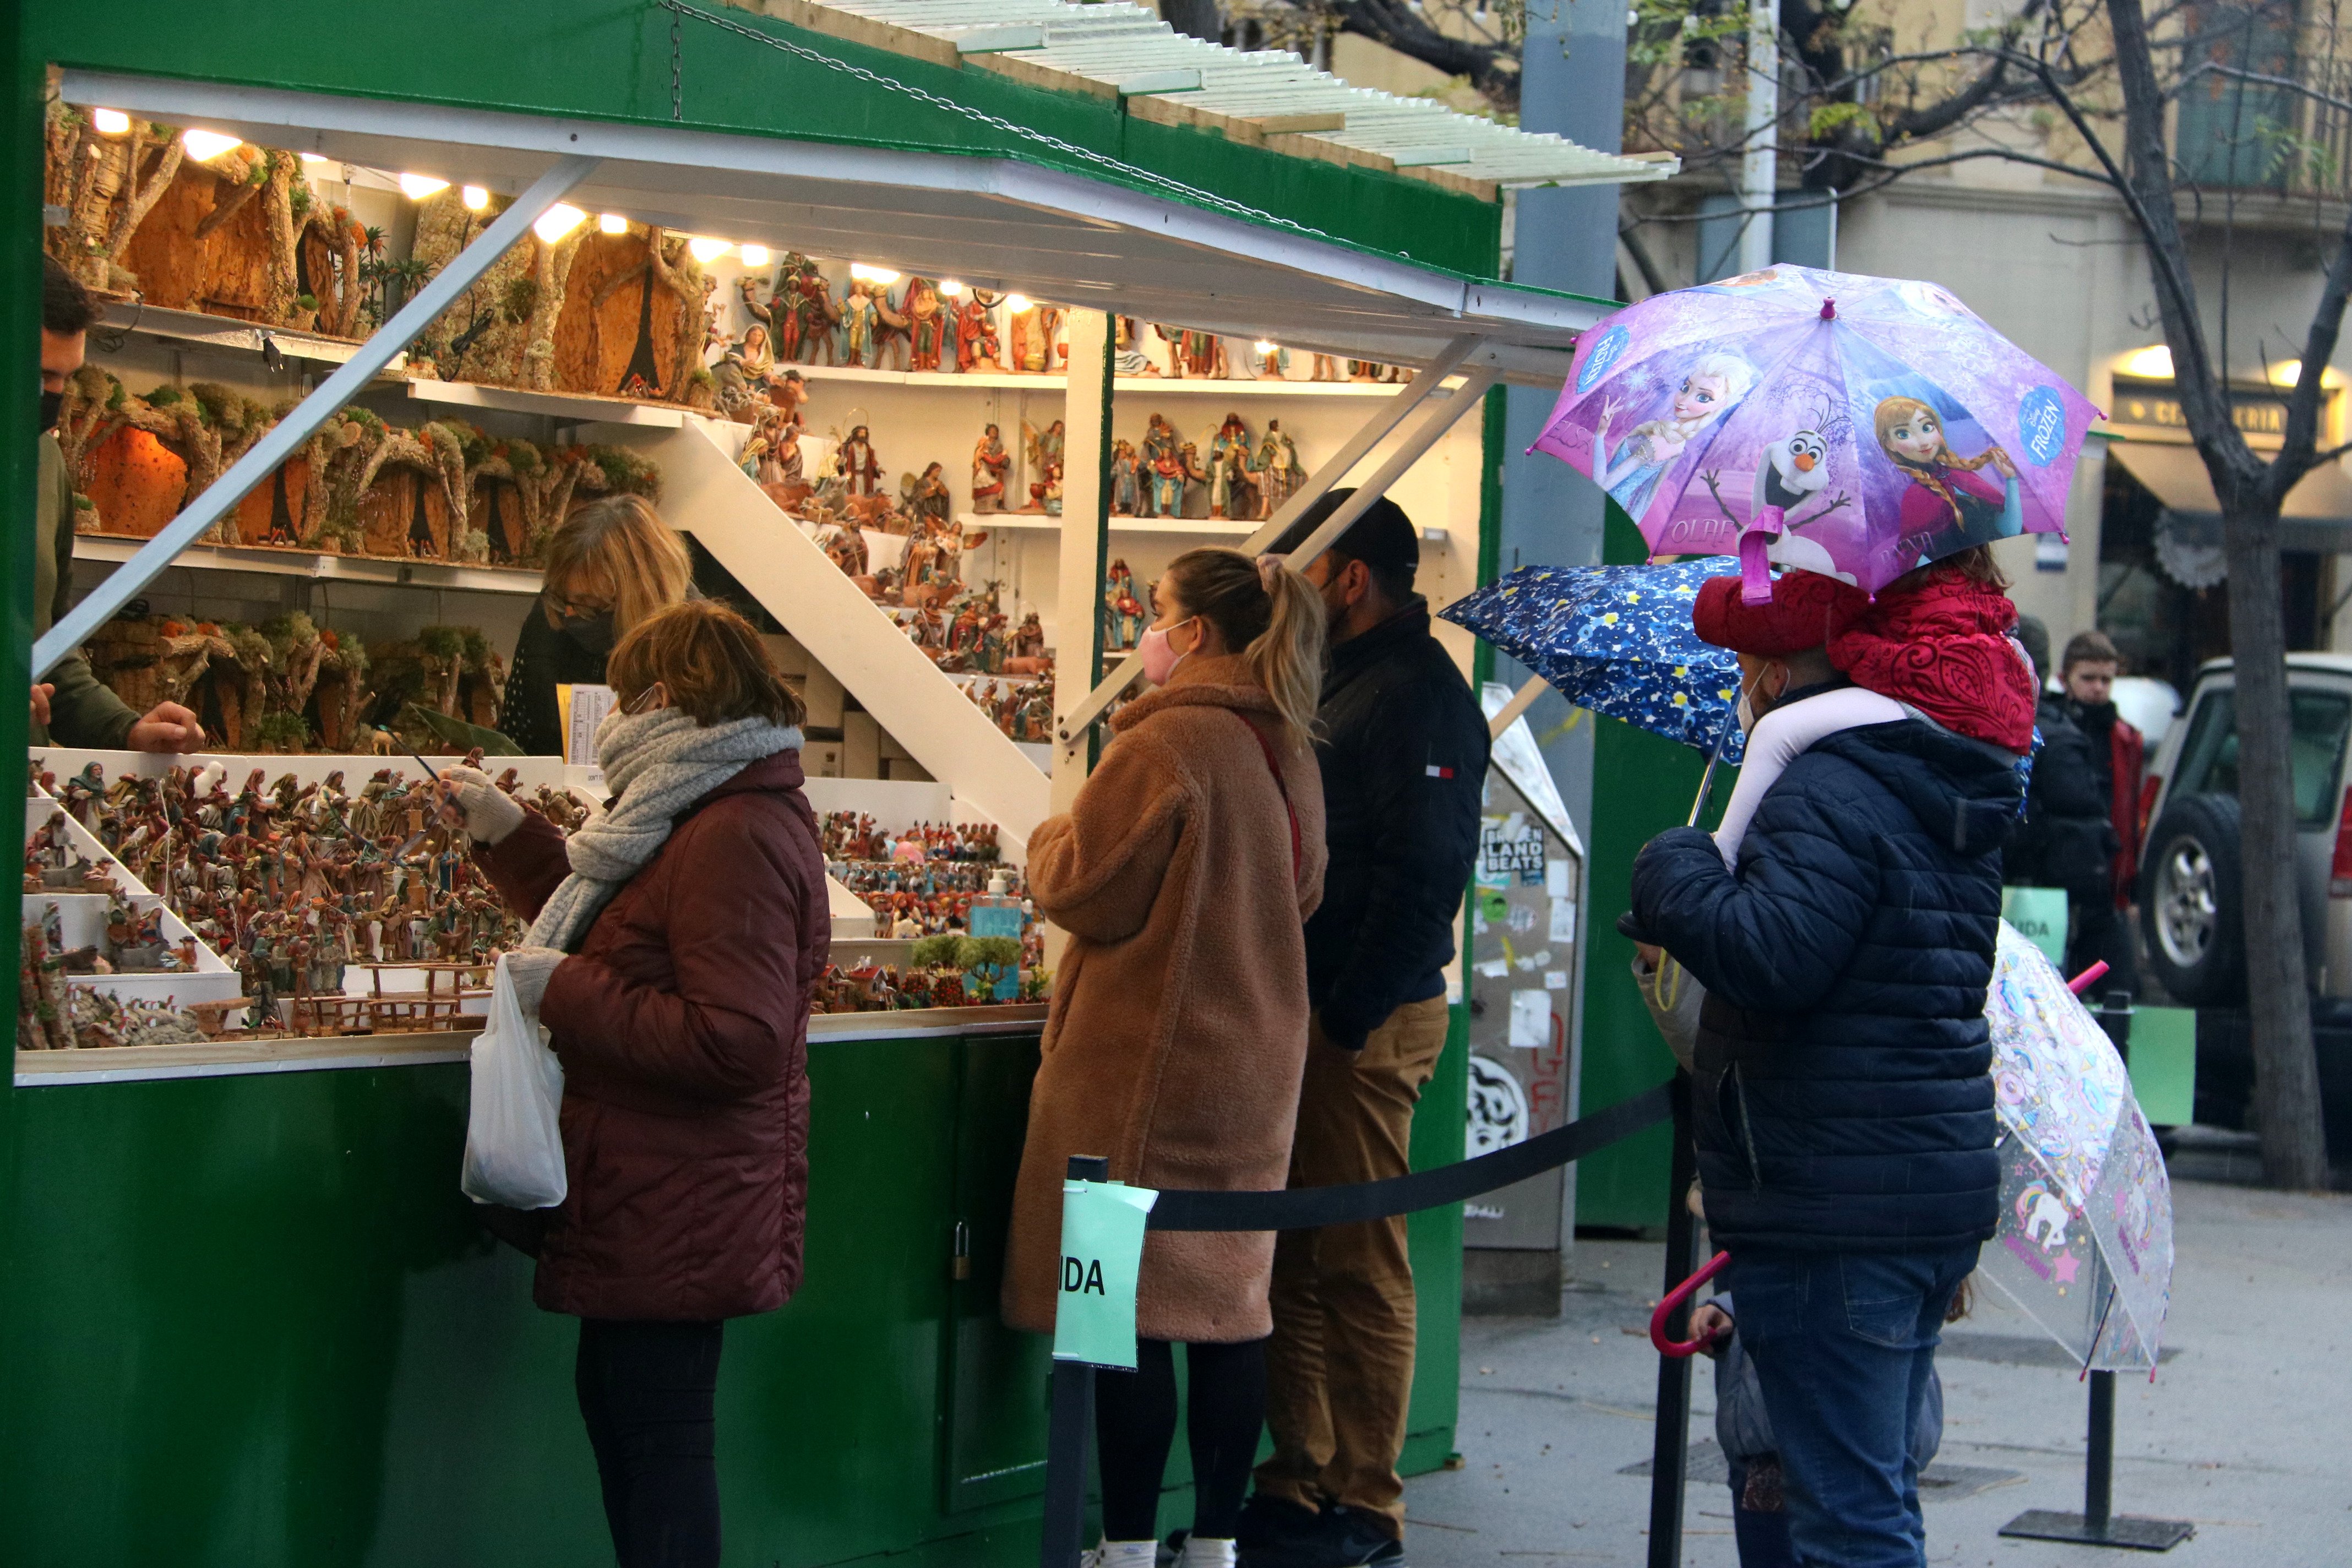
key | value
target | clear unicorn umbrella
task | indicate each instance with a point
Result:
(2086, 1240)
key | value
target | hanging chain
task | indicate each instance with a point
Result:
(1126, 171)
(677, 69)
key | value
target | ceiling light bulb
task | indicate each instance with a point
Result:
(110, 122)
(416, 188)
(952, 289)
(704, 250)
(204, 146)
(612, 222)
(474, 197)
(558, 221)
(1265, 347)
(1016, 303)
(881, 275)
(2153, 362)
(755, 256)
(314, 157)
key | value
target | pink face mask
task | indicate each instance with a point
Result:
(1160, 660)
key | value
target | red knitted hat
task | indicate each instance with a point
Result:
(1806, 610)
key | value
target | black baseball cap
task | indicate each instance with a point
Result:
(1383, 538)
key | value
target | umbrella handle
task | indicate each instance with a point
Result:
(2088, 978)
(1675, 1297)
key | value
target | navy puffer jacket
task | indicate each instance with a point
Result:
(1842, 1097)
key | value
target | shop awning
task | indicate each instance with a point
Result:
(2317, 514)
(995, 222)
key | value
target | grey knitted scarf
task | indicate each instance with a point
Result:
(658, 764)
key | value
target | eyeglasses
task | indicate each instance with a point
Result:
(573, 609)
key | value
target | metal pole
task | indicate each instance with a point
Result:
(287, 437)
(1759, 168)
(1671, 1444)
(2099, 1466)
(1071, 1417)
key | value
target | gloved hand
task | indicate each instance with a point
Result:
(528, 968)
(470, 800)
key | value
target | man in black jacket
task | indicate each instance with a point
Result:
(1403, 753)
(1842, 1106)
(2068, 839)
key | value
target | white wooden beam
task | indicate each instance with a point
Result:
(1086, 537)
(1073, 720)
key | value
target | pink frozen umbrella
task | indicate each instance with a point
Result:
(1850, 426)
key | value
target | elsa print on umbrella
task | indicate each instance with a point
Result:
(1630, 473)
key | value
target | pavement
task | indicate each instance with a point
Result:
(2244, 1430)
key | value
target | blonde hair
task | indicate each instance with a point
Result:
(712, 662)
(1271, 614)
(1894, 411)
(625, 539)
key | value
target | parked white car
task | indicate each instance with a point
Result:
(2191, 880)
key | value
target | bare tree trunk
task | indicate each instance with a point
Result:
(139, 199)
(2278, 1001)
(2286, 1074)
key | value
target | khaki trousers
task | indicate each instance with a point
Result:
(1339, 1365)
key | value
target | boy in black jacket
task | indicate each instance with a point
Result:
(1403, 746)
(1843, 1111)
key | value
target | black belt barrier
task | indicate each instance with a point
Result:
(1301, 1209)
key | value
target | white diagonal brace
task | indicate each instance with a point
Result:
(1318, 484)
(287, 437)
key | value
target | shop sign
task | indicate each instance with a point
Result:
(2256, 411)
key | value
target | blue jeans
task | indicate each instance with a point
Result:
(1843, 1343)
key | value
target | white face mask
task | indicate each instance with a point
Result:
(1746, 712)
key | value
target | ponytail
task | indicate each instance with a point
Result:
(1271, 614)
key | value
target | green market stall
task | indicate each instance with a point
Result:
(250, 1319)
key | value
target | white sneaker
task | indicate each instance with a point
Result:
(1122, 1554)
(1205, 1554)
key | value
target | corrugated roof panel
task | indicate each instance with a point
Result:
(1130, 51)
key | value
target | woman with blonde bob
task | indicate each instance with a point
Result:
(1178, 1037)
(674, 945)
(610, 564)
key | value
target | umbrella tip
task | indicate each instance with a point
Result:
(1829, 309)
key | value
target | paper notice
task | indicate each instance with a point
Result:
(1563, 920)
(584, 709)
(1531, 1019)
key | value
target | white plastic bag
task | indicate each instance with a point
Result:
(514, 1146)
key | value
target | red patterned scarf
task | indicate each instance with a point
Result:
(1943, 647)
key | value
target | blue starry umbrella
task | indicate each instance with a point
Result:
(1618, 640)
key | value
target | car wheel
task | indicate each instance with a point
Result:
(2191, 908)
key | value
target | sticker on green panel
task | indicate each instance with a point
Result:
(1102, 1248)
(2164, 1064)
(2039, 916)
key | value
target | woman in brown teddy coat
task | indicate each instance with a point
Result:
(1183, 875)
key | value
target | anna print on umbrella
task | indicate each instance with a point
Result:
(1949, 504)
(1631, 474)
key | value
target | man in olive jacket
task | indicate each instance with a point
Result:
(1403, 751)
(70, 708)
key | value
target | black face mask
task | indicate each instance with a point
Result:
(593, 634)
(52, 405)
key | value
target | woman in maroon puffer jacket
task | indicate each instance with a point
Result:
(674, 946)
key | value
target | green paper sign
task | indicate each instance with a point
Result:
(2039, 916)
(2164, 1064)
(1102, 1248)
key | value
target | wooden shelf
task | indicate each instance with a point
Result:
(196, 328)
(321, 566)
(1059, 383)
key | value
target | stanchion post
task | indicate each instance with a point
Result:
(2099, 1466)
(1070, 1420)
(1672, 1443)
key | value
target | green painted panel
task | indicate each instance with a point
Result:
(253, 1324)
(611, 60)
